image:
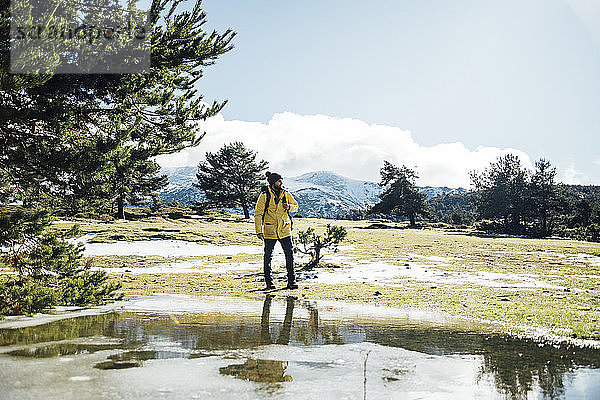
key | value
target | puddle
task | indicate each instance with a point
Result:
(231, 348)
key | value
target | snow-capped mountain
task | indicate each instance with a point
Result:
(319, 194)
(180, 187)
(433, 191)
(325, 193)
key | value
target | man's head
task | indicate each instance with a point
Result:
(275, 180)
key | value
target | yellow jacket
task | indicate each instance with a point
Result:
(277, 223)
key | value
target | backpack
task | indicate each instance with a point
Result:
(265, 189)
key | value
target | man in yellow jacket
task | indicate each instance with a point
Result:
(273, 223)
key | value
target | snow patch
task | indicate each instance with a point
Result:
(384, 273)
(80, 378)
(165, 248)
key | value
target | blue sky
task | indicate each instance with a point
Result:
(502, 75)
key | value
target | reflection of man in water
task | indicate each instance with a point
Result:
(284, 334)
(266, 370)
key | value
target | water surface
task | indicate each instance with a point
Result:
(177, 347)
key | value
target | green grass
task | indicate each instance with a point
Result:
(206, 230)
(574, 312)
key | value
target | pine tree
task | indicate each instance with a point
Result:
(543, 197)
(231, 177)
(81, 141)
(501, 192)
(400, 195)
(49, 270)
(112, 125)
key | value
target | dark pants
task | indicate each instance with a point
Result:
(286, 244)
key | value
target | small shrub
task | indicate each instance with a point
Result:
(312, 244)
(25, 295)
(49, 270)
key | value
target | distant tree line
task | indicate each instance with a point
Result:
(515, 200)
(506, 198)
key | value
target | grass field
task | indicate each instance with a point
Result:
(521, 283)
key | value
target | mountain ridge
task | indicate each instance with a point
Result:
(319, 193)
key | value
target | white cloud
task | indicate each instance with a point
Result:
(294, 144)
(572, 176)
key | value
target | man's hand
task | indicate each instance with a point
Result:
(260, 236)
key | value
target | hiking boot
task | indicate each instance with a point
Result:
(291, 285)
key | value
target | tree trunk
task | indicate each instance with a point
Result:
(550, 226)
(412, 219)
(544, 225)
(317, 256)
(120, 208)
(516, 225)
(246, 212)
(314, 261)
